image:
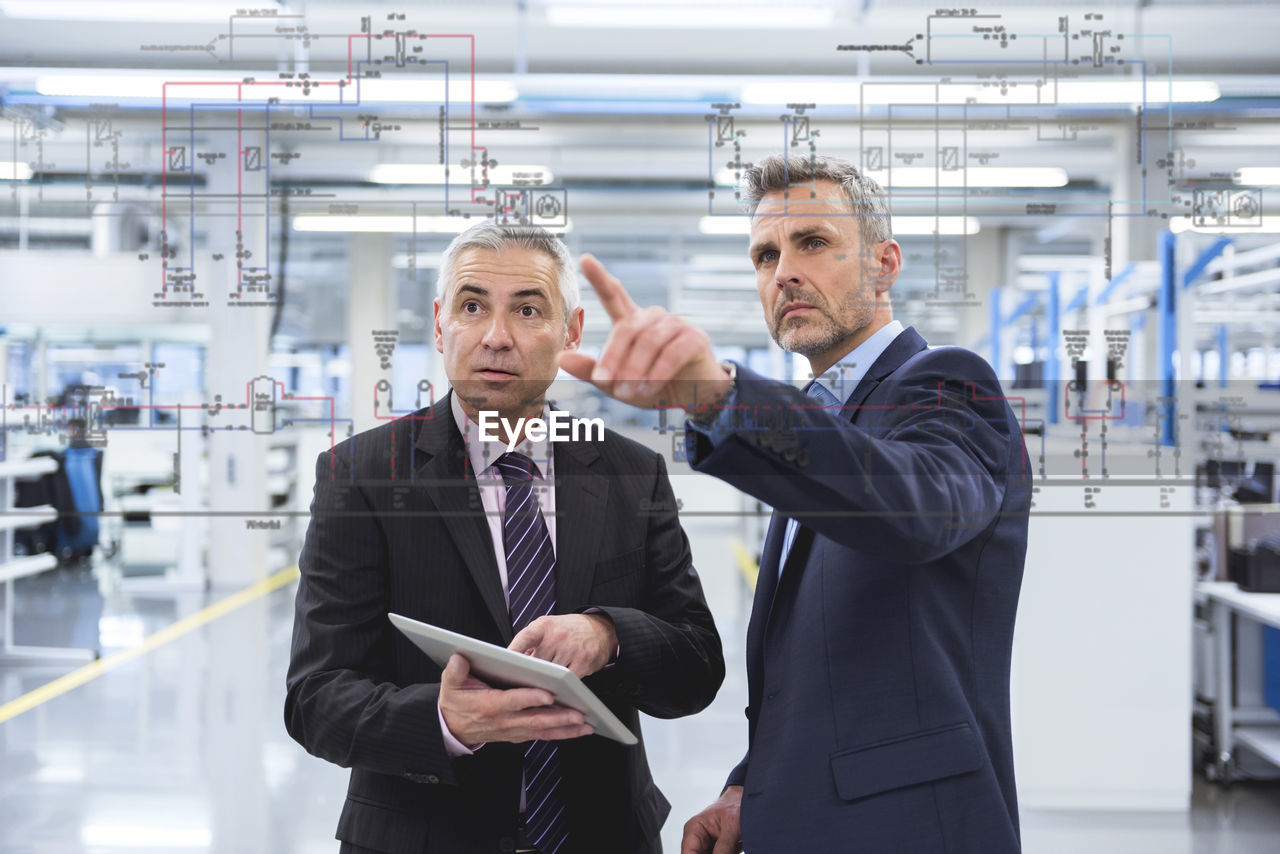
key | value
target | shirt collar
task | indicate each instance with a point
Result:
(482, 454)
(843, 377)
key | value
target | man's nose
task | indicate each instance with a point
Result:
(497, 336)
(787, 273)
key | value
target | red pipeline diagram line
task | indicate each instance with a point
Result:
(240, 153)
(422, 37)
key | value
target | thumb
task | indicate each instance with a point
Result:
(578, 364)
(456, 671)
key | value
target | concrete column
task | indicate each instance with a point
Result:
(985, 269)
(1132, 237)
(237, 356)
(371, 309)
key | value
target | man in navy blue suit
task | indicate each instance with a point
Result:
(879, 643)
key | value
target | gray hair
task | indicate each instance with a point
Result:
(487, 234)
(867, 199)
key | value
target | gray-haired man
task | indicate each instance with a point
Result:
(571, 552)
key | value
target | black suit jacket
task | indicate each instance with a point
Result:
(878, 663)
(397, 525)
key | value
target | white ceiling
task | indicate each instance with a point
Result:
(623, 115)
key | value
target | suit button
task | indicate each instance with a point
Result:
(432, 778)
(506, 845)
(772, 694)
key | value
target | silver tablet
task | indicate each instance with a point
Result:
(507, 668)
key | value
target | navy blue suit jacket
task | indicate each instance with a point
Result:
(878, 663)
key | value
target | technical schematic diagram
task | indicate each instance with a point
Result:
(233, 153)
(958, 144)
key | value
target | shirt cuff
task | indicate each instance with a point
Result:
(721, 424)
(452, 746)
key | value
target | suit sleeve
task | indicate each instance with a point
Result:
(922, 477)
(338, 704)
(670, 661)
(738, 776)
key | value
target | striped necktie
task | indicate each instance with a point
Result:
(531, 592)
(818, 392)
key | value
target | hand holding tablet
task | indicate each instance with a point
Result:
(505, 668)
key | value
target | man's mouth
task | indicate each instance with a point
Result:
(496, 374)
(795, 309)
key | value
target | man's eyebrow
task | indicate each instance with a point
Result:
(795, 237)
(808, 231)
(472, 289)
(531, 292)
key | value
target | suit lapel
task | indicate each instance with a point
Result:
(446, 480)
(581, 499)
(766, 585)
(906, 345)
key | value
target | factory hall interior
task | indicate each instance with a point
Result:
(567, 426)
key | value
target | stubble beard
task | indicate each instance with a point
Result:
(815, 335)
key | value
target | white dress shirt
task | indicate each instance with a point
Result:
(493, 496)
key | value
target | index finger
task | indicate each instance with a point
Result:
(613, 296)
(528, 638)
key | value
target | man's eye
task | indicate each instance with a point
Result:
(470, 307)
(768, 257)
(815, 241)
(528, 311)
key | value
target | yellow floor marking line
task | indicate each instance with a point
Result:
(78, 677)
(746, 564)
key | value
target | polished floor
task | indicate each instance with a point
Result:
(182, 749)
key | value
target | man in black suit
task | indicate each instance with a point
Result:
(569, 551)
(879, 643)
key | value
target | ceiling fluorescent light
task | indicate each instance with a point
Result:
(902, 225)
(152, 12)
(1131, 91)
(398, 224)
(232, 88)
(1253, 176)
(433, 173)
(854, 90)
(431, 90)
(972, 176)
(956, 226)
(729, 224)
(393, 224)
(1265, 225)
(11, 170)
(682, 15)
(48, 225)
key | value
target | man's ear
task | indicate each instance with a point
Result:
(439, 335)
(574, 337)
(889, 258)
